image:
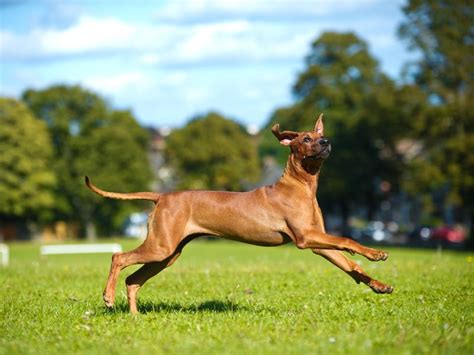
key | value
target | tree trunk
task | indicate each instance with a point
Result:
(91, 234)
(345, 216)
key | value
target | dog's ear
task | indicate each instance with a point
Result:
(319, 126)
(284, 137)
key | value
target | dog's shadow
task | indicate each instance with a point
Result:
(211, 306)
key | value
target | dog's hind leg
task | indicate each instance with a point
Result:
(162, 246)
(144, 254)
(353, 269)
(136, 280)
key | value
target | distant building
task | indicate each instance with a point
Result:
(163, 174)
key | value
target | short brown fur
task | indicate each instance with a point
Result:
(273, 215)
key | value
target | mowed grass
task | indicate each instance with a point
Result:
(227, 297)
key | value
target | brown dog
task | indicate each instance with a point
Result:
(284, 212)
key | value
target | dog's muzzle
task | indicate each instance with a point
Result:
(324, 153)
(325, 148)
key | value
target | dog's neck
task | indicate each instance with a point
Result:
(302, 171)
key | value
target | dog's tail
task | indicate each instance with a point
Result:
(151, 196)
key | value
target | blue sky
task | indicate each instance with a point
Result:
(168, 61)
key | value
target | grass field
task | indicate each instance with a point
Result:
(225, 297)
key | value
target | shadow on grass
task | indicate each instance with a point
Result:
(211, 306)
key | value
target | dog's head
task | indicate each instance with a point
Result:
(306, 145)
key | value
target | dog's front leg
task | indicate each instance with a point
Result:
(311, 239)
(353, 269)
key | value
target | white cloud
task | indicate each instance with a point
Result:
(149, 59)
(239, 57)
(196, 11)
(174, 79)
(88, 35)
(231, 41)
(236, 35)
(196, 95)
(115, 84)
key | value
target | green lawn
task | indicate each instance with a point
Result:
(226, 297)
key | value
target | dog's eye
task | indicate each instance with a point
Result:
(306, 139)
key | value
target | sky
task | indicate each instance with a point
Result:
(168, 61)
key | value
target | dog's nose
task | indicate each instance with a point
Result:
(324, 142)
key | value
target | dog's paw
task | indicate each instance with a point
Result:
(109, 301)
(379, 287)
(376, 255)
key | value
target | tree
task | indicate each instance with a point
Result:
(26, 180)
(90, 138)
(116, 156)
(212, 152)
(344, 81)
(443, 32)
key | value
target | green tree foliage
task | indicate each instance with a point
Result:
(91, 139)
(26, 181)
(212, 152)
(344, 81)
(443, 32)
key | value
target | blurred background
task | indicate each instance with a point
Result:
(165, 95)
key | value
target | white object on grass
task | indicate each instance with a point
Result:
(80, 248)
(5, 254)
